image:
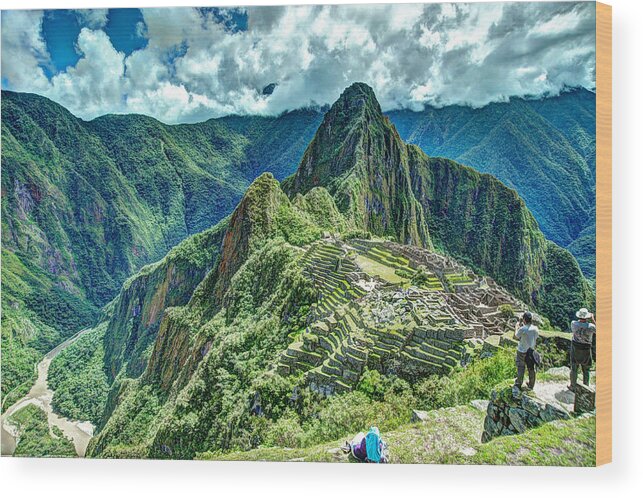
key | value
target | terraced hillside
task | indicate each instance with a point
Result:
(391, 308)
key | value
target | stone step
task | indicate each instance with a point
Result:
(351, 376)
(332, 371)
(329, 343)
(295, 350)
(428, 365)
(420, 353)
(283, 369)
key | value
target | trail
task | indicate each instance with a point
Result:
(80, 432)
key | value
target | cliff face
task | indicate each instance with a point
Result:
(138, 310)
(544, 149)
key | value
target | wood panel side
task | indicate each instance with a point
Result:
(603, 233)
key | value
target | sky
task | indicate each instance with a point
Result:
(192, 64)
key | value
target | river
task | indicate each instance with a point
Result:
(80, 432)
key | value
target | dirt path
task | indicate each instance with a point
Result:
(80, 432)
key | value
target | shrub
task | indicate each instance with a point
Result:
(285, 432)
(358, 234)
(474, 381)
(506, 310)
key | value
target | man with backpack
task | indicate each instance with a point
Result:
(526, 334)
(583, 332)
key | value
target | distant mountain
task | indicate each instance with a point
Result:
(544, 149)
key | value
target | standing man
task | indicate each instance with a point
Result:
(583, 331)
(526, 334)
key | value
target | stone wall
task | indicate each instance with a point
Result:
(507, 415)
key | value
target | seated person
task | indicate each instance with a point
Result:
(369, 448)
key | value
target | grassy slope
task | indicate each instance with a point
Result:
(452, 436)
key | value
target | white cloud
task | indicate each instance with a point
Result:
(96, 83)
(194, 67)
(23, 50)
(92, 18)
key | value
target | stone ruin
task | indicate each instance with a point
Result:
(364, 320)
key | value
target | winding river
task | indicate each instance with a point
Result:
(80, 432)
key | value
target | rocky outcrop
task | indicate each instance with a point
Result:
(508, 415)
(584, 399)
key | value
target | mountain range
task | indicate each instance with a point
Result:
(86, 204)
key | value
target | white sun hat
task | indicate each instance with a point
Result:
(583, 313)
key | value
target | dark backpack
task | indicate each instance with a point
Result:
(533, 357)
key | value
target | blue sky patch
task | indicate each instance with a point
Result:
(124, 28)
(60, 30)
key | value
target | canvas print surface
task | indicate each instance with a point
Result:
(348, 233)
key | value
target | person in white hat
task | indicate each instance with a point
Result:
(583, 331)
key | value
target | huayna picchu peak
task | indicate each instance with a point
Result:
(392, 189)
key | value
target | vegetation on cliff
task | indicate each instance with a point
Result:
(77, 377)
(544, 149)
(86, 204)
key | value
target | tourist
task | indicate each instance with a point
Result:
(526, 334)
(369, 448)
(583, 331)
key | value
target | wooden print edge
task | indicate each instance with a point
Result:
(603, 233)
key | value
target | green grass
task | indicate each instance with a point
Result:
(452, 436)
(562, 443)
(372, 267)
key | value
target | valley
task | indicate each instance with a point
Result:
(40, 396)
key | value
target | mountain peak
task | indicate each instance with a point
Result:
(357, 102)
(358, 95)
(351, 129)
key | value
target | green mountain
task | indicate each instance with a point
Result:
(86, 204)
(393, 189)
(237, 337)
(544, 149)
